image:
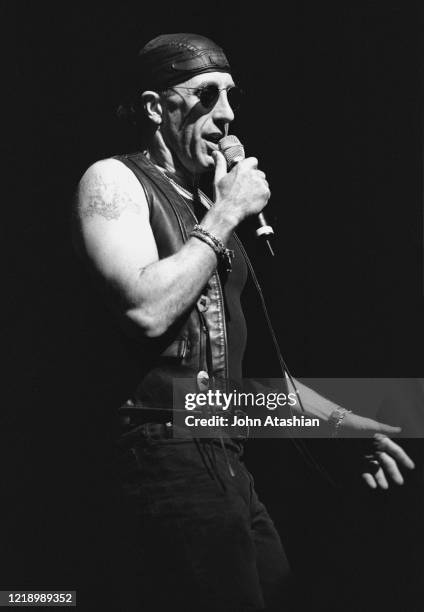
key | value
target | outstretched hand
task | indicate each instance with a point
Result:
(384, 463)
(386, 459)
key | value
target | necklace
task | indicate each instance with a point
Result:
(204, 200)
(188, 194)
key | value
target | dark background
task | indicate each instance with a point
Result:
(333, 112)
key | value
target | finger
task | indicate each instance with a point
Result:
(388, 430)
(373, 464)
(266, 185)
(386, 445)
(369, 479)
(381, 479)
(220, 166)
(250, 162)
(390, 467)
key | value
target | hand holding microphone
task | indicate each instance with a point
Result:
(245, 186)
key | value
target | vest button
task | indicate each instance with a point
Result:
(203, 303)
(202, 380)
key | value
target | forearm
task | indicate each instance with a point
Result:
(162, 291)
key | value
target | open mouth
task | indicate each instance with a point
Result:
(212, 140)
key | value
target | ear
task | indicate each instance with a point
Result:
(152, 106)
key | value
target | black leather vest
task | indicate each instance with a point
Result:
(196, 345)
(197, 342)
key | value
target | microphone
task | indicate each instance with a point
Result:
(233, 151)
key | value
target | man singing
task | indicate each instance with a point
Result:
(163, 254)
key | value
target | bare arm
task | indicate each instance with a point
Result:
(114, 235)
(388, 455)
(352, 424)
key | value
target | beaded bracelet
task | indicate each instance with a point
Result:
(223, 254)
(336, 418)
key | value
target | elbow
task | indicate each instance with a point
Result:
(150, 324)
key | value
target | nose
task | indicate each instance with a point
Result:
(222, 111)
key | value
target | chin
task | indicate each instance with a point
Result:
(203, 159)
(209, 163)
(204, 164)
(198, 162)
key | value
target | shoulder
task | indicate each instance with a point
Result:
(108, 188)
(108, 175)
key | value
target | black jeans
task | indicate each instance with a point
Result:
(196, 537)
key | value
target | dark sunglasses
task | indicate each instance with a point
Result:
(208, 95)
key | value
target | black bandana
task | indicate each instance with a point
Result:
(173, 58)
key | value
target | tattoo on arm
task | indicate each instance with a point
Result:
(108, 201)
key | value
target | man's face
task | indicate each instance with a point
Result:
(192, 125)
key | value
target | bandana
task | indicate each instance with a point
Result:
(173, 58)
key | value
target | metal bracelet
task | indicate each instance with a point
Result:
(207, 241)
(219, 244)
(335, 420)
(223, 254)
